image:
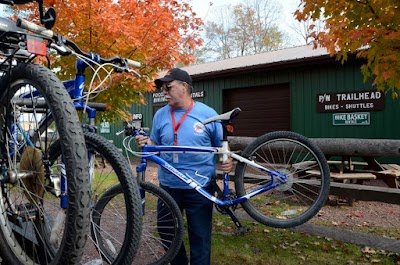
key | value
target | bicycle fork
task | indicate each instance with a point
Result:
(140, 172)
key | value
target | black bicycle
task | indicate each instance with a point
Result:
(39, 224)
(107, 166)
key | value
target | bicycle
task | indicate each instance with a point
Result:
(159, 213)
(31, 203)
(153, 249)
(275, 180)
(120, 239)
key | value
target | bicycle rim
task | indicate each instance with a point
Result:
(109, 168)
(305, 189)
(33, 226)
(168, 222)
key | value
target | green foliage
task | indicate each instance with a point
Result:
(270, 246)
(367, 28)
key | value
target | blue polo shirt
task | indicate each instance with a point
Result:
(191, 132)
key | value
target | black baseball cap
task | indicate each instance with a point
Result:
(174, 74)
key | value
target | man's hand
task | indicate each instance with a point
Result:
(141, 140)
(227, 166)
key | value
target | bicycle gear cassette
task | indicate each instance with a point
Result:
(31, 161)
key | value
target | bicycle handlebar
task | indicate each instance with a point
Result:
(15, 2)
(25, 24)
(64, 45)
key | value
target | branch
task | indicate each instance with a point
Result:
(368, 4)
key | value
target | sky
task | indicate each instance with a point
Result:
(201, 7)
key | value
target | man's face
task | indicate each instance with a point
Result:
(173, 92)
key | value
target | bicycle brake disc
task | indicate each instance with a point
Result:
(31, 161)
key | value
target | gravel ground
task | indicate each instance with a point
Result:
(361, 214)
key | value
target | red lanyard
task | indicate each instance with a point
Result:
(176, 126)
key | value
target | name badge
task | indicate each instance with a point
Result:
(175, 158)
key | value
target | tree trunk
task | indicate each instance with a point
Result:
(340, 146)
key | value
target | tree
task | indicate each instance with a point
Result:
(367, 28)
(303, 30)
(219, 37)
(157, 33)
(244, 29)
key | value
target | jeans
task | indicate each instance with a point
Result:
(199, 218)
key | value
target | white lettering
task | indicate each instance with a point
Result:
(360, 106)
(177, 173)
(331, 107)
(137, 116)
(158, 95)
(340, 117)
(198, 94)
(324, 98)
(358, 96)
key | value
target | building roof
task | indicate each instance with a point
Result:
(273, 58)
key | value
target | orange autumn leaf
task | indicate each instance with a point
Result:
(159, 34)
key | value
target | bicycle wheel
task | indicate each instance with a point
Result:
(108, 167)
(305, 190)
(34, 229)
(162, 223)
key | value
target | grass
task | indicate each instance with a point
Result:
(265, 245)
(103, 181)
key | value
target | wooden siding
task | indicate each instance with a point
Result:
(145, 110)
(305, 82)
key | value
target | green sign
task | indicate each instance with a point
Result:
(355, 118)
(105, 127)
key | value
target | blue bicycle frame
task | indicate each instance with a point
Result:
(149, 153)
(75, 88)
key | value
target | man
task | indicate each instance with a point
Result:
(180, 123)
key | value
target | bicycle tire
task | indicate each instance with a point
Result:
(152, 247)
(115, 171)
(33, 227)
(305, 190)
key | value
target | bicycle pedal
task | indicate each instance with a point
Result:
(241, 231)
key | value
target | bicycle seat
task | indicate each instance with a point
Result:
(225, 117)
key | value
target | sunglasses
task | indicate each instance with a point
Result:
(168, 87)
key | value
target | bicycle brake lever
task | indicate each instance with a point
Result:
(119, 69)
(134, 72)
(120, 132)
(62, 50)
